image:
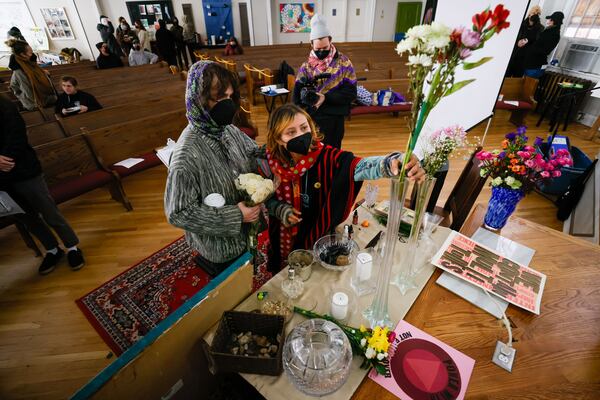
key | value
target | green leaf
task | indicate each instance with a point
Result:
(471, 65)
(457, 86)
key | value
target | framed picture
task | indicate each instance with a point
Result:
(57, 23)
(142, 9)
(144, 22)
(295, 17)
(150, 9)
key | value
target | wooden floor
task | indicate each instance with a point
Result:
(48, 349)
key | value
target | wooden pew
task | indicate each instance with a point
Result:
(45, 132)
(71, 169)
(137, 138)
(255, 78)
(521, 90)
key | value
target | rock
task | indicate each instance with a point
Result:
(342, 260)
(261, 340)
(264, 351)
(273, 349)
(235, 351)
(244, 340)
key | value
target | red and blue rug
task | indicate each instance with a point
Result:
(128, 306)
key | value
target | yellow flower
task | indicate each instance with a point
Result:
(363, 329)
(379, 339)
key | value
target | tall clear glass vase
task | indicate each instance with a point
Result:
(377, 313)
(405, 279)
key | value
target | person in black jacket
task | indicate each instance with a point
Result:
(531, 29)
(328, 101)
(165, 42)
(21, 177)
(107, 32)
(106, 59)
(537, 55)
(73, 101)
(177, 31)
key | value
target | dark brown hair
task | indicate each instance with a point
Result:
(70, 79)
(17, 46)
(138, 22)
(225, 79)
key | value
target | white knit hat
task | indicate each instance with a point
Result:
(318, 27)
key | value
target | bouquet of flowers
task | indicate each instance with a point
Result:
(440, 144)
(434, 53)
(371, 344)
(255, 190)
(519, 166)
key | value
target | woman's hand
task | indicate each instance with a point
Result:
(413, 168)
(6, 163)
(294, 218)
(249, 214)
(82, 109)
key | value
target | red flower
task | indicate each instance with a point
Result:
(479, 20)
(456, 34)
(499, 18)
(391, 336)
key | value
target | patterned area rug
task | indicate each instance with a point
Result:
(128, 306)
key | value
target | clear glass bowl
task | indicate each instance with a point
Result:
(317, 357)
(335, 244)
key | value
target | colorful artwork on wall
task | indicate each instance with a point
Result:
(295, 17)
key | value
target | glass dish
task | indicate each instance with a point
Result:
(335, 244)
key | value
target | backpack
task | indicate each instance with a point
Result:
(284, 71)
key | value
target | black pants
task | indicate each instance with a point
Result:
(332, 128)
(182, 59)
(40, 212)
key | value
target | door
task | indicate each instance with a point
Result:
(244, 25)
(408, 15)
(359, 21)
(334, 12)
(187, 11)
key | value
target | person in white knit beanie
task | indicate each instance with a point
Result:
(328, 103)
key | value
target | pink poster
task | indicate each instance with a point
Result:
(481, 266)
(424, 368)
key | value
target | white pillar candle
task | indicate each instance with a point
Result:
(339, 305)
(364, 266)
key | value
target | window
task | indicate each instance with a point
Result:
(585, 21)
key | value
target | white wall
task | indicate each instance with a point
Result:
(80, 42)
(259, 22)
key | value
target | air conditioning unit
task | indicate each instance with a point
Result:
(581, 56)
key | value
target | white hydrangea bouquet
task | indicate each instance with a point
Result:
(439, 145)
(256, 190)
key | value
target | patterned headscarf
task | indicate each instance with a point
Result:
(196, 114)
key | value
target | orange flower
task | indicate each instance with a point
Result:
(511, 155)
(515, 168)
(514, 161)
(504, 143)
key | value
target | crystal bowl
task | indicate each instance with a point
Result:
(332, 244)
(317, 357)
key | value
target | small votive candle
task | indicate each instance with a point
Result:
(339, 305)
(364, 266)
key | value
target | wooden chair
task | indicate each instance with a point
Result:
(521, 90)
(229, 65)
(201, 56)
(174, 69)
(72, 169)
(465, 193)
(256, 78)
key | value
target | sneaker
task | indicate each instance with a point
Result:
(75, 258)
(50, 261)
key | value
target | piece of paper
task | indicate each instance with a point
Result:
(423, 367)
(164, 153)
(268, 88)
(130, 162)
(482, 266)
(512, 102)
(8, 206)
(281, 91)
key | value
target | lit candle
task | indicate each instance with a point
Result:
(339, 305)
(364, 266)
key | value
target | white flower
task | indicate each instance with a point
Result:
(439, 42)
(419, 32)
(257, 187)
(370, 353)
(408, 44)
(420, 59)
(363, 342)
(497, 181)
(380, 356)
(439, 29)
(509, 180)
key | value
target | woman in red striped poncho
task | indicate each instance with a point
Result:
(319, 183)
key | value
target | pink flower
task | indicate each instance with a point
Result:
(545, 174)
(524, 154)
(484, 155)
(529, 149)
(530, 163)
(456, 34)
(464, 53)
(470, 39)
(556, 174)
(549, 167)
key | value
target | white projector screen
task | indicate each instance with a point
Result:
(475, 102)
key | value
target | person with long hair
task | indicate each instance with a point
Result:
(30, 83)
(319, 183)
(210, 154)
(125, 35)
(537, 54)
(233, 47)
(142, 35)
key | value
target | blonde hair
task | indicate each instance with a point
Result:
(535, 10)
(280, 119)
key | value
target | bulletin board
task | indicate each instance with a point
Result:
(150, 11)
(218, 19)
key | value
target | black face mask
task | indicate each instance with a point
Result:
(300, 144)
(321, 54)
(223, 112)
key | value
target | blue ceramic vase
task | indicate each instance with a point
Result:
(501, 206)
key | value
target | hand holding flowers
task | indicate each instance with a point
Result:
(256, 190)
